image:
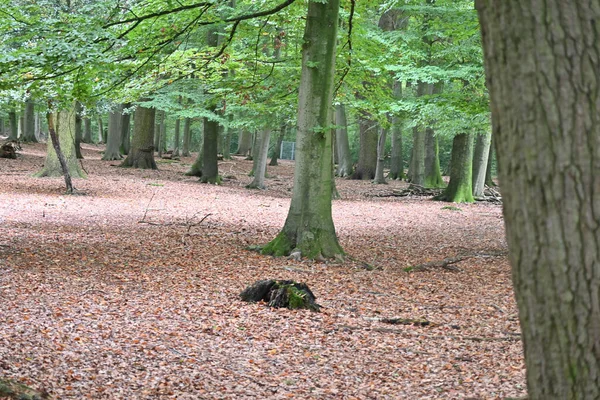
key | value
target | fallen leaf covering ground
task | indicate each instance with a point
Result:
(95, 304)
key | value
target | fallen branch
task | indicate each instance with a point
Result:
(412, 190)
(447, 263)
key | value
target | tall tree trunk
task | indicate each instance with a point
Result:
(367, 154)
(342, 144)
(260, 162)
(78, 133)
(210, 166)
(480, 158)
(87, 130)
(64, 130)
(113, 141)
(396, 160)
(125, 131)
(542, 64)
(101, 135)
(309, 227)
(379, 177)
(176, 137)
(157, 119)
(141, 154)
(187, 137)
(28, 133)
(460, 187)
(162, 136)
(488, 171)
(418, 155)
(277, 149)
(13, 124)
(244, 143)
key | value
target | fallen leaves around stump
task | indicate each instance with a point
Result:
(94, 305)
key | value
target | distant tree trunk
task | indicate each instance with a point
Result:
(28, 133)
(343, 146)
(157, 120)
(460, 187)
(488, 171)
(176, 137)
(101, 136)
(38, 127)
(277, 149)
(260, 161)
(418, 155)
(244, 142)
(162, 141)
(87, 130)
(367, 154)
(210, 167)
(125, 131)
(187, 137)
(480, 162)
(309, 229)
(14, 127)
(141, 154)
(396, 160)
(78, 133)
(379, 176)
(2, 126)
(64, 130)
(113, 141)
(433, 175)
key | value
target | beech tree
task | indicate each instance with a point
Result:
(541, 60)
(309, 227)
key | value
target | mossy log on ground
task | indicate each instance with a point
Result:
(14, 390)
(281, 294)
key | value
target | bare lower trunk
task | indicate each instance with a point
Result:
(28, 134)
(277, 149)
(78, 130)
(488, 171)
(367, 154)
(417, 165)
(342, 144)
(244, 142)
(460, 188)
(396, 160)
(260, 161)
(59, 154)
(141, 154)
(87, 130)
(113, 141)
(210, 168)
(101, 136)
(125, 131)
(162, 137)
(13, 125)
(379, 176)
(433, 175)
(480, 163)
(187, 137)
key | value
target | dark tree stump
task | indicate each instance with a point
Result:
(9, 150)
(281, 294)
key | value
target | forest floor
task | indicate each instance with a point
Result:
(123, 293)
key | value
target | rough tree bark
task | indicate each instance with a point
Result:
(344, 167)
(260, 162)
(480, 162)
(113, 142)
(542, 60)
(64, 131)
(309, 229)
(460, 187)
(379, 176)
(488, 171)
(141, 154)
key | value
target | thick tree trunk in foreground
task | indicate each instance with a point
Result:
(542, 61)
(64, 130)
(28, 133)
(344, 167)
(480, 163)
(309, 227)
(113, 142)
(187, 137)
(260, 162)
(141, 154)
(460, 187)
(379, 177)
